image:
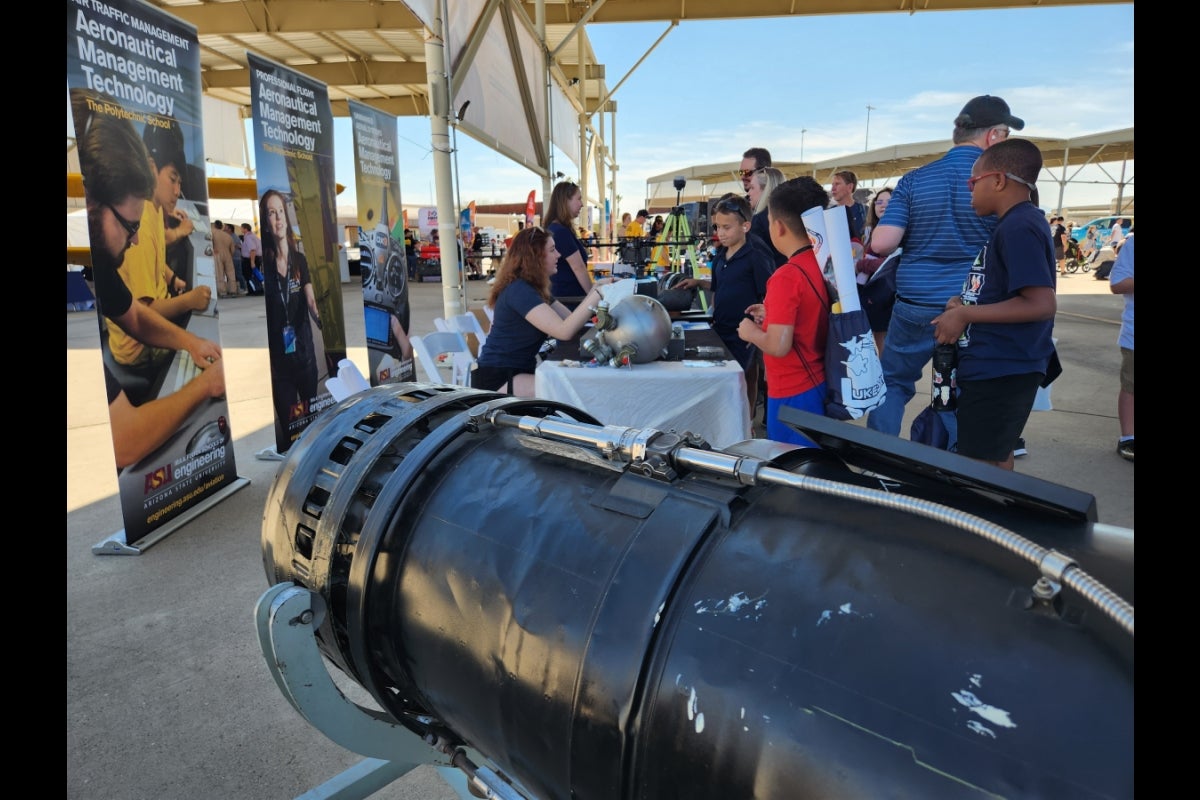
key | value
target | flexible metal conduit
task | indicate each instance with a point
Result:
(628, 445)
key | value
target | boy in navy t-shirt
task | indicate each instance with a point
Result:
(1004, 317)
(739, 274)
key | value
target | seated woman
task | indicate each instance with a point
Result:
(1089, 245)
(524, 313)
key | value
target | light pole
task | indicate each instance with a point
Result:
(867, 138)
(802, 132)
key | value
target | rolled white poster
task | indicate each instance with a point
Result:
(814, 224)
(837, 238)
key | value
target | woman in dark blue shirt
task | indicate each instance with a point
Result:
(570, 280)
(525, 313)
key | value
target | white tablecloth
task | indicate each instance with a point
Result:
(665, 395)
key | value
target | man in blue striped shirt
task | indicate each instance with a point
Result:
(930, 216)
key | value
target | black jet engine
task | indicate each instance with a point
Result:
(607, 612)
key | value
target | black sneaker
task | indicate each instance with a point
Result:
(1125, 449)
(1020, 450)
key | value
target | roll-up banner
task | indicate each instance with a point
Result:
(297, 212)
(381, 245)
(133, 80)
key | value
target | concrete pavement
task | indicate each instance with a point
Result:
(168, 694)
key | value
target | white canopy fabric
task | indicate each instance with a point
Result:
(885, 163)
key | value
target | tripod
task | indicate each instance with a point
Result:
(676, 243)
(675, 240)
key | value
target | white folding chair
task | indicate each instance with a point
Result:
(468, 323)
(453, 346)
(441, 324)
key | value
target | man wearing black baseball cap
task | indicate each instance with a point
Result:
(986, 111)
(930, 215)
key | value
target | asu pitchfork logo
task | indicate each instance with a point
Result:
(158, 478)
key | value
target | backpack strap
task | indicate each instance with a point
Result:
(828, 308)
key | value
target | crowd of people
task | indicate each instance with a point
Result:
(977, 269)
(970, 262)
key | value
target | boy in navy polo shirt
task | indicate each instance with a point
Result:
(1004, 317)
(739, 274)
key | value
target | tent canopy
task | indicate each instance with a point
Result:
(708, 180)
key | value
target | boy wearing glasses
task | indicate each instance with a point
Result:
(1004, 317)
(739, 274)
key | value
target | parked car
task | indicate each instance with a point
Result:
(1103, 227)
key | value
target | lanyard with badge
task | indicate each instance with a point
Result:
(285, 295)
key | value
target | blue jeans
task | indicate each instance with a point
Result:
(907, 349)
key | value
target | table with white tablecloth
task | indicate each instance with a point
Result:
(707, 398)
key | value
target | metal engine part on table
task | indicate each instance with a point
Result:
(640, 616)
(638, 327)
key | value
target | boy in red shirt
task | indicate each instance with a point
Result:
(791, 325)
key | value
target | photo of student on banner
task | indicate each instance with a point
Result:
(291, 308)
(119, 183)
(178, 180)
(145, 270)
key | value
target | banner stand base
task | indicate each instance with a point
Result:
(115, 545)
(269, 454)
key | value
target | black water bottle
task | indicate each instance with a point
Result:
(945, 377)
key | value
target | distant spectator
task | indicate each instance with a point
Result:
(637, 228)
(410, 252)
(227, 283)
(1120, 281)
(251, 255)
(1087, 248)
(841, 192)
(761, 185)
(875, 211)
(753, 160)
(1058, 235)
(1117, 236)
(657, 226)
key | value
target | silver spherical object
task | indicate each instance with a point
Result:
(643, 322)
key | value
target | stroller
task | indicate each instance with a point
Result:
(1077, 261)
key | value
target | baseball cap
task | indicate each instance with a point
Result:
(985, 111)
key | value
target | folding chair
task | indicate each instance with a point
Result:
(468, 323)
(453, 346)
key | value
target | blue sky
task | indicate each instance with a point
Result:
(712, 89)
